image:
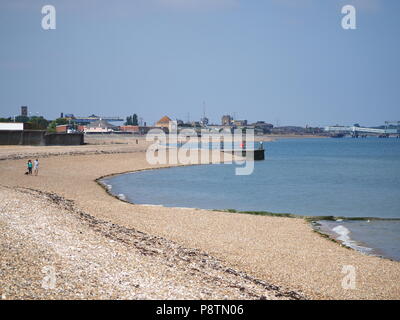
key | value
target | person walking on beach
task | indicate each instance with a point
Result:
(29, 167)
(36, 167)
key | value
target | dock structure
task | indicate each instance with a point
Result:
(256, 154)
(250, 154)
(356, 131)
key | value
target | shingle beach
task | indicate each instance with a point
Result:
(100, 247)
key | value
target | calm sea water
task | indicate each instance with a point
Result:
(339, 177)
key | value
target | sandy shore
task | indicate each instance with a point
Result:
(259, 256)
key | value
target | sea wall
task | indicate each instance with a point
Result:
(39, 138)
(22, 137)
(63, 139)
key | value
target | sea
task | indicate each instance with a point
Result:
(343, 178)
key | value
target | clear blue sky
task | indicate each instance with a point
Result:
(285, 61)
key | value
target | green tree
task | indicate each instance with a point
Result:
(38, 123)
(132, 120)
(21, 119)
(128, 121)
(61, 121)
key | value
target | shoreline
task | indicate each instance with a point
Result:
(232, 210)
(314, 221)
(267, 248)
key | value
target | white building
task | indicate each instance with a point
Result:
(99, 126)
(15, 126)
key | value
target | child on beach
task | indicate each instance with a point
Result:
(29, 167)
(36, 167)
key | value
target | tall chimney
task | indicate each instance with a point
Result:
(24, 111)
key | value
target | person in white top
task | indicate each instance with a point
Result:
(36, 167)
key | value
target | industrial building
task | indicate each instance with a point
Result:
(99, 126)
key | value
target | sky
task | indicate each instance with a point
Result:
(286, 62)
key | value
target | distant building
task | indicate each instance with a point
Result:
(91, 118)
(239, 123)
(24, 111)
(204, 122)
(195, 124)
(13, 126)
(133, 129)
(226, 120)
(62, 128)
(263, 126)
(163, 122)
(99, 126)
(219, 129)
(67, 128)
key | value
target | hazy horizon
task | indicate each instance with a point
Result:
(281, 61)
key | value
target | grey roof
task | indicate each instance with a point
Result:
(100, 124)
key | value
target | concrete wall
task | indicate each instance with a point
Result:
(27, 137)
(63, 139)
(39, 138)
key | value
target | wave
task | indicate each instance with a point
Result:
(122, 196)
(344, 237)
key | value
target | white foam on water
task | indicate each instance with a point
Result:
(122, 196)
(343, 233)
(107, 186)
(344, 236)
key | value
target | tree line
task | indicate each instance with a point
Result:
(132, 120)
(40, 123)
